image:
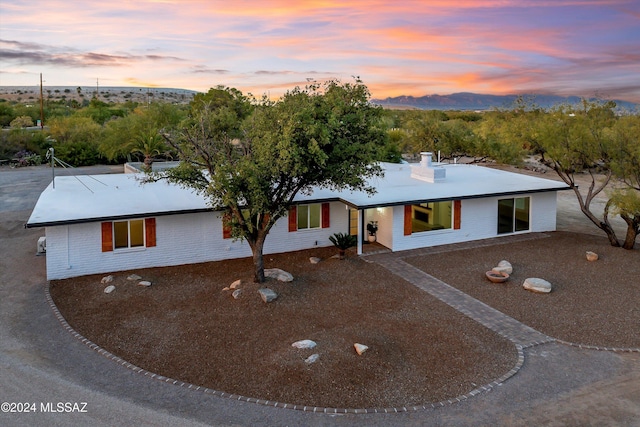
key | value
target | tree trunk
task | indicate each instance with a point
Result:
(633, 226)
(148, 161)
(258, 262)
(605, 226)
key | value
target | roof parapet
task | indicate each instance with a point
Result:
(425, 171)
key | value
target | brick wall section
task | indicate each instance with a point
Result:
(76, 250)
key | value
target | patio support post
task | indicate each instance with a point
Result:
(360, 230)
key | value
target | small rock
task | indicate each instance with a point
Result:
(311, 359)
(360, 348)
(503, 267)
(134, 277)
(144, 283)
(106, 279)
(266, 294)
(535, 284)
(304, 344)
(226, 288)
(236, 293)
(276, 273)
(235, 284)
(314, 260)
(592, 256)
(109, 289)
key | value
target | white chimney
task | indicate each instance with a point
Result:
(426, 158)
(426, 171)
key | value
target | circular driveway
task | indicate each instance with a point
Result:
(64, 382)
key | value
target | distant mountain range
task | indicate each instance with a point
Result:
(455, 101)
(475, 101)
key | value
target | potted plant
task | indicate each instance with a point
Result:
(372, 228)
(343, 241)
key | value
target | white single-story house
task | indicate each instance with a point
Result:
(107, 223)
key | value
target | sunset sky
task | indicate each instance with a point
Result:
(564, 47)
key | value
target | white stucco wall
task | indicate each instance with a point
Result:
(75, 250)
(384, 216)
(478, 221)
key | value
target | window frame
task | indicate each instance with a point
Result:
(308, 207)
(514, 222)
(431, 208)
(325, 216)
(108, 232)
(129, 245)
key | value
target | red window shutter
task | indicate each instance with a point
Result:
(407, 220)
(226, 228)
(457, 209)
(150, 231)
(293, 218)
(326, 209)
(107, 236)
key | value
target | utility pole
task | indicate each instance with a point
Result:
(41, 105)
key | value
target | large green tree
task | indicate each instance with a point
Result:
(250, 159)
(138, 132)
(585, 140)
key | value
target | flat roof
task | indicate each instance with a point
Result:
(92, 198)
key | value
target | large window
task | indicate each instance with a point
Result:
(128, 234)
(431, 216)
(309, 216)
(513, 215)
(133, 233)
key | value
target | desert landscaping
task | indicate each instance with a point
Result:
(188, 326)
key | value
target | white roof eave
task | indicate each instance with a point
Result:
(82, 199)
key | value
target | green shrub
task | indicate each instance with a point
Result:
(343, 241)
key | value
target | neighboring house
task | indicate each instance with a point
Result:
(108, 223)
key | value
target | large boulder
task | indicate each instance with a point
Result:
(267, 294)
(535, 284)
(276, 273)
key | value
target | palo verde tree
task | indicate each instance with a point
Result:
(579, 140)
(251, 158)
(625, 199)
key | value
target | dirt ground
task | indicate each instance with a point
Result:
(186, 327)
(592, 303)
